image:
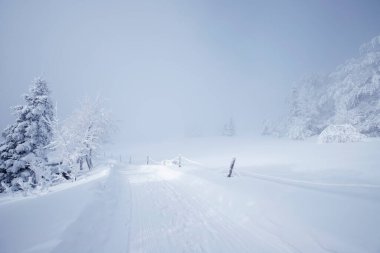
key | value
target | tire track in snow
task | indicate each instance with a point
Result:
(155, 222)
(186, 223)
(305, 182)
(257, 234)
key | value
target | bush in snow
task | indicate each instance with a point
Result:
(23, 153)
(340, 134)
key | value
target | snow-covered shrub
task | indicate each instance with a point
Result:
(26, 140)
(42, 173)
(340, 134)
(273, 127)
(298, 132)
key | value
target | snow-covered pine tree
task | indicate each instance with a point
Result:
(23, 153)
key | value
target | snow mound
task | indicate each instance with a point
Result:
(340, 134)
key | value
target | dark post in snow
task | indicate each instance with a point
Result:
(231, 167)
(179, 161)
(147, 160)
(130, 159)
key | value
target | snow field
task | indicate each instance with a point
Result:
(287, 197)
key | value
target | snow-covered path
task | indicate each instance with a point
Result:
(156, 208)
(167, 217)
(149, 209)
(195, 210)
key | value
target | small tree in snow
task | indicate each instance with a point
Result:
(23, 153)
(229, 128)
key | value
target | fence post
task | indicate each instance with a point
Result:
(231, 167)
(130, 159)
(147, 160)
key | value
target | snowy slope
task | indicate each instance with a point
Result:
(284, 197)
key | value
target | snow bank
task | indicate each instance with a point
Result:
(43, 220)
(340, 134)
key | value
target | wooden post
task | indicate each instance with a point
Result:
(147, 160)
(231, 167)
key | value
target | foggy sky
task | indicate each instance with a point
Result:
(169, 66)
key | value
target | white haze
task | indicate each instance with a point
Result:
(167, 67)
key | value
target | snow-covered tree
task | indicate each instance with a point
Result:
(23, 152)
(229, 128)
(81, 135)
(309, 108)
(348, 95)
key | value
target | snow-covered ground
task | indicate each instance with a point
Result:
(285, 196)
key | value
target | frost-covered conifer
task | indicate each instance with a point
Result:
(23, 152)
(348, 95)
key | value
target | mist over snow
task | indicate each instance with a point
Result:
(169, 67)
(189, 126)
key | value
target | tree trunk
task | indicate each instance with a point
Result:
(90, 158)
(89, 162)
(80, 161)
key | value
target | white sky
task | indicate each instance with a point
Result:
(166, 66)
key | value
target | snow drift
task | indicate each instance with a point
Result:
(340, 134)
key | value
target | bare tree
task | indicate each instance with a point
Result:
(82, 134)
